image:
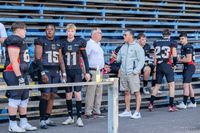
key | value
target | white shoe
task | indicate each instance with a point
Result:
(16, 129)
(27, 126)
(125, 114)
(146, 90)
(181, 106)
(79, 122)
(49, 122)
(191, 105)
(68, 121)
(136, 115)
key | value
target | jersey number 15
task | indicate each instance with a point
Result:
(52, 56)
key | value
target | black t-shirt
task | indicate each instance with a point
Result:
(164, 50)
(24, 58)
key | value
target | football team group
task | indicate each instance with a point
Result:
(59, 60)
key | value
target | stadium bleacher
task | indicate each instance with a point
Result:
(113, 16)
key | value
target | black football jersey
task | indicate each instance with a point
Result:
(148, 59)
(188, 49)
(50, 56)
(71, 52)
(164, 50)
(24, 58)
(147, 49)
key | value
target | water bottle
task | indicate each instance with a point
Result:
(98, 74)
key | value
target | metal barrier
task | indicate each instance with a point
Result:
(112, 84)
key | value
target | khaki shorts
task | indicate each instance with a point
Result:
(130, 82)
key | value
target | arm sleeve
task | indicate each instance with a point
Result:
(141, 60)
(39, 41)
(84, 55)
(39, 64)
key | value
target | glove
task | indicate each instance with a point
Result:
(45, 78)
(21, 80)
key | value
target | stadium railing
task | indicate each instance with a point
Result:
(112, 89)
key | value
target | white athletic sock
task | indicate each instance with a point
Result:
(12, 123)
(23, 121)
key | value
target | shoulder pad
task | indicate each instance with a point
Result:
(14, 40)
(39, 41)
(83, 42)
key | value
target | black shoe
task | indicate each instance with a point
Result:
(88, 116)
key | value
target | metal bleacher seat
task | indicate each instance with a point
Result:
(150, 16)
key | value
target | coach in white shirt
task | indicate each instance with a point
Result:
(96, 58)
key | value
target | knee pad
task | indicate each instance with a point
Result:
(13, 103)
(78, 96)
(24, 103)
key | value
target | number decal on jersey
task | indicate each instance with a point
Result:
(52, 56)
(71, 55)
(26, 56)
(162, 52)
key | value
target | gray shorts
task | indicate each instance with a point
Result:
(130, 82)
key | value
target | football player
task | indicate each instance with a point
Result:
(148, 68)
(49, 60)
(72, 49)
(164, 50)
(15, 73)
(188, 59)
